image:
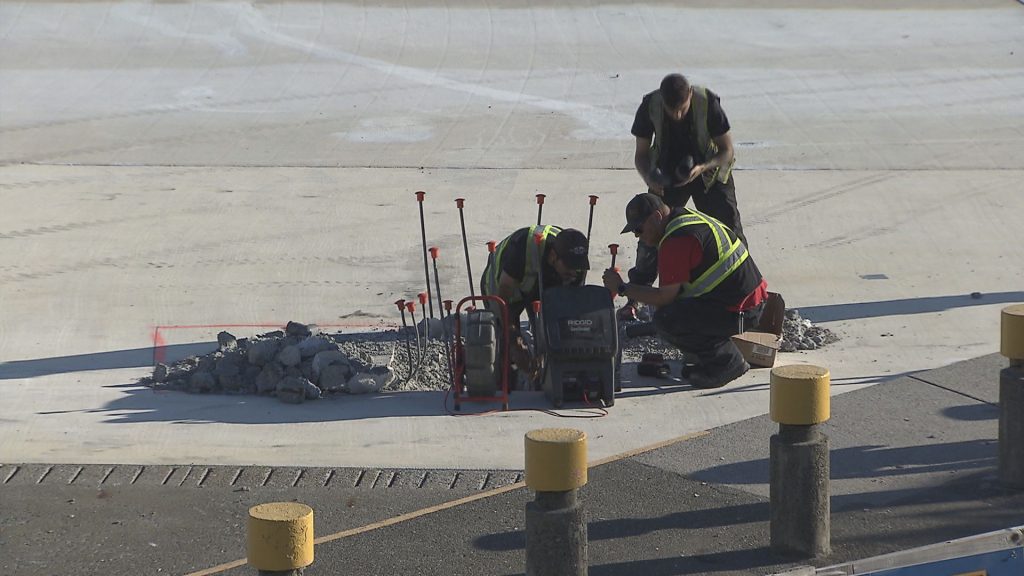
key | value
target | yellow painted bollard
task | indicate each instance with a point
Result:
(1011, 397)
(556, 527)
(279, 539)
(799, 461)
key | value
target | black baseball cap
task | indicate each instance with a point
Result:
(639, 208)
(572, 248)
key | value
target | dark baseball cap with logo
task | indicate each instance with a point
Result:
(571, 246)
(639, 209)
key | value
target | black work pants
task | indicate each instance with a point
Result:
(703, 327)
(719, 202)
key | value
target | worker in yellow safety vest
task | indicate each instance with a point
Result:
(709, 286)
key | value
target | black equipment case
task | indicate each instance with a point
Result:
(580, 342)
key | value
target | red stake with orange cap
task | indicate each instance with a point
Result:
(405, 331)
(411, 307)
(424, 298)
(423, 235)
(460, 203)
(590, 221)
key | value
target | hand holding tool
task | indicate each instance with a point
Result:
(540, 207)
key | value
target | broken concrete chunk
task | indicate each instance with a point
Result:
(325, 359)
(333, 378)
(310, 346)
(228, 366)
(226, 341)
(160, 373)
(312, 392)
(292, 389)
(267, 381)
(202, 382)
(230, 382)
(306, 367)
(297, 329)
(289, 356)
(263, 351)
(370, 382)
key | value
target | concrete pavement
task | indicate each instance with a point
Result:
(913, 463)
(175, 168)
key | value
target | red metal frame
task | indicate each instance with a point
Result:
(503, 340)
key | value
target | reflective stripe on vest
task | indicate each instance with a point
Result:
(530, 270)
(730, 254)
(699, 109)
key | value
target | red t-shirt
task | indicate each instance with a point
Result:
(680, 255)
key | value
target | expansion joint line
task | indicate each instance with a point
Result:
(948, 389)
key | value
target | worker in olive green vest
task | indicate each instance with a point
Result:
(683, 150)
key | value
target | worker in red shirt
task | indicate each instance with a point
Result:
(709, 286)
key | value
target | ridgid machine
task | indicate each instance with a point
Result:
(578, 341)
(482, 353)
(575, 340)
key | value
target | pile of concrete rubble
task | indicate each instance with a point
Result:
(300, 363)
(296, 364)
(799, 333)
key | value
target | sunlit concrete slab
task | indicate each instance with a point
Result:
(205, 165)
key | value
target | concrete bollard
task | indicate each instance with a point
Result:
(799, 462)
(556, 527)
(1011, 398)
(279, 539)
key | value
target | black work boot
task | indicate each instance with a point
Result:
(709, 377)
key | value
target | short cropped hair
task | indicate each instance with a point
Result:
(674, 90)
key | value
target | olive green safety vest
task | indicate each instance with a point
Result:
(533, 264)
(730, 253)
(699, 113)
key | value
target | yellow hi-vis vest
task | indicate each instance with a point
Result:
(699, 114)
(533, 264)
(731, 253)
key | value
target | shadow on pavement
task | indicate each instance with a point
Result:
(872, 462)
(143, 404)
(134, 358)
(834, 312)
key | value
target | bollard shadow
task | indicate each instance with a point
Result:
(116, 359)
(635, 386)
(972, 412)
(905, 306)
(707, 563)
(872, 461)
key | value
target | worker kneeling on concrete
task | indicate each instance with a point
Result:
(709, 286)
(514, 272)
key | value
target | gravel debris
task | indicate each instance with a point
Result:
(799, 333)
(299, 364)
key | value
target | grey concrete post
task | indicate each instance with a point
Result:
(1011, 397)
(556, 535)
(799, 461)
(556, 526)
(1011, 426)
(799, 491)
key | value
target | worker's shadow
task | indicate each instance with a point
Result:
(140, 403)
